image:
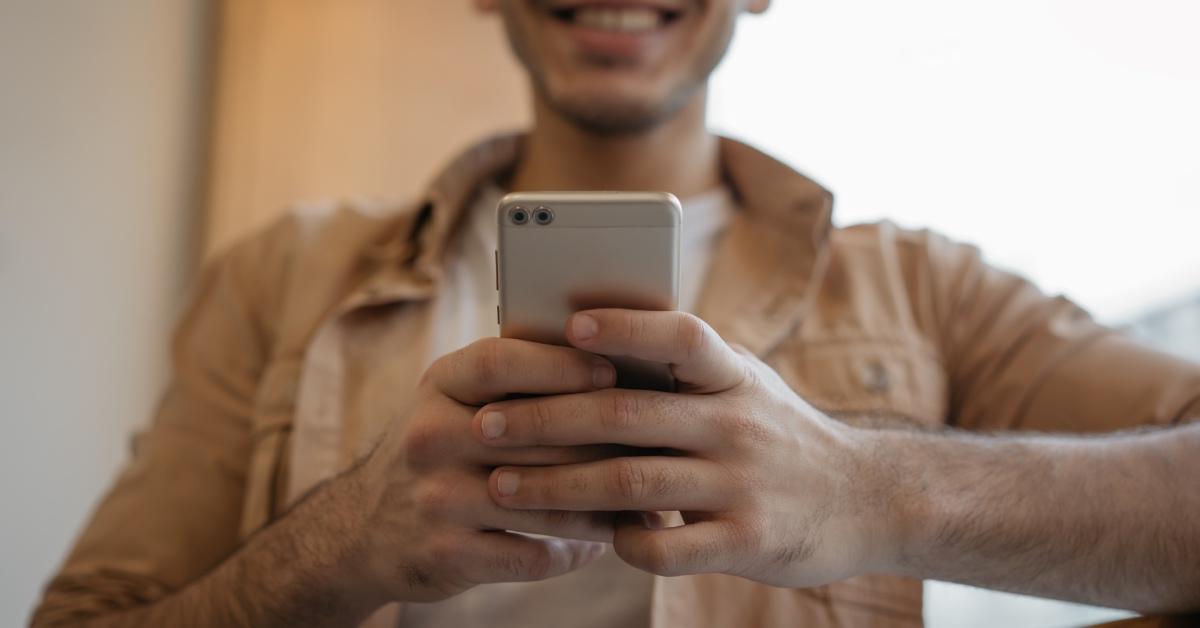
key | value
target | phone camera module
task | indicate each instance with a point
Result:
(518, 215)
(543, 215)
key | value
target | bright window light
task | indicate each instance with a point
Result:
(1062, 137)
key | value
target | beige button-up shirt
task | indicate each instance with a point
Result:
(298, 336)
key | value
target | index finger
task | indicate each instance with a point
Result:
(492, 368)
(637, 418)
(699, 358)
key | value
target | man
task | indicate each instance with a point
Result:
(306, 468)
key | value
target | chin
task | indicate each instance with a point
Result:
(605, 118)
(618, 107)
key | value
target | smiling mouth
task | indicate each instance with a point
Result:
(616, 19)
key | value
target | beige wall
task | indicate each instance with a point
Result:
(328, 99)
(100, 112)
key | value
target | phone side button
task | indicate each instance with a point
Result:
(496, 266)
(497, 314)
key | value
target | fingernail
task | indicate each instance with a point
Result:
(584, 326)
(604, 376)
(493, 424)
(507, 483)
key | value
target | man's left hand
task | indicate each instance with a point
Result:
(768, 487)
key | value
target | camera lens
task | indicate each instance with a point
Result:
(543, 215)
(518, 215)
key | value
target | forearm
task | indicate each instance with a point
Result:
(1112, 520)
(302, 570)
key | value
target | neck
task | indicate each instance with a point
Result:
(677, 156)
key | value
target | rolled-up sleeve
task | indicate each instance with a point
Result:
(1019, 360)
(173, 512)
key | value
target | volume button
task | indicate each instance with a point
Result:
(496, 267)
(497, 314)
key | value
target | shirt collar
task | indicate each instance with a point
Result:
(764, 188)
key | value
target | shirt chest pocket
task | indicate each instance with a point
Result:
(867, 378)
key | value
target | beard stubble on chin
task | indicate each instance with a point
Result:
(615, 115)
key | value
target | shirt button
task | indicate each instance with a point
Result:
(875, 377)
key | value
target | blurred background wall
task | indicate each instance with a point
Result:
(102, 109)
(353, 97)
(138, 135)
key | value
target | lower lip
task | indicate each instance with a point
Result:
(611, 44)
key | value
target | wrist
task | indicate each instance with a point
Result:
(357, 563)
(304, 569)
(895, 495)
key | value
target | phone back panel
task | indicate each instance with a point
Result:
(601, 249)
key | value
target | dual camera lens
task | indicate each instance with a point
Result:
(521, 216)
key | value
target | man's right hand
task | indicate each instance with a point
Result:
(412, 522)
(430, 528)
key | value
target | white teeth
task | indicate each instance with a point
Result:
(625, 20)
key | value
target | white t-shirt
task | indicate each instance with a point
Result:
(607, 593)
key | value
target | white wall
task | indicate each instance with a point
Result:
(100, 111)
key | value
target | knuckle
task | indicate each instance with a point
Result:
(624, 408)
(743, 426)
(629, 480)
(487, 359)
(748, 535)
(541, 420)
(658, 558)
(742, 482)
(751, 376)
(633, 328)
(432, 499)
(443, 551)
(420, 441)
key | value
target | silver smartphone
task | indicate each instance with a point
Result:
(562, 252)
